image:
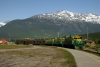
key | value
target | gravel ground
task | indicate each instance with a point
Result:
(36, 56)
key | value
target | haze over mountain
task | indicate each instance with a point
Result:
(49, 24)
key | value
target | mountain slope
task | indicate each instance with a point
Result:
(49, 24)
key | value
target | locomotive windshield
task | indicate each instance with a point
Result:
(78, 37)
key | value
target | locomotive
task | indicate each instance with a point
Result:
(70, 41)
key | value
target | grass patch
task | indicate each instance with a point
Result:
(64, 57)
(13, 46)
(70, 61)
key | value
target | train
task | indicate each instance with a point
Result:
(70, 41)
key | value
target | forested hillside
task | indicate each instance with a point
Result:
(93, 36)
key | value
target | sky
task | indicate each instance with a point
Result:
(21, 9)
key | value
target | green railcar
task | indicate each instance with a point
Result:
(49, 41)
(59, 41)
(54, 41)
(71, 41)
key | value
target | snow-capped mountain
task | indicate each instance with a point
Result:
(2, 24)
(49, 24)
(67, 15)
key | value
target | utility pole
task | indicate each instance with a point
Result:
(9, 36)
(58, 34)
(87, 33)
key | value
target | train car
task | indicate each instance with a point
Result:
(39, 42)
(30, 41)
(24, 41)
(49, 41)
(20, 41)
(58, 42)
(27, 42)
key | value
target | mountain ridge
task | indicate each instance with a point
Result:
(48, 25)
(67, 15)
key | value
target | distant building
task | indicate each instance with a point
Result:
(3, 41)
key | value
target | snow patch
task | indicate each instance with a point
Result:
(2, 24)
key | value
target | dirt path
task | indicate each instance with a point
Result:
(36, 56)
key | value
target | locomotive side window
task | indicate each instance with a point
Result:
(80, 37)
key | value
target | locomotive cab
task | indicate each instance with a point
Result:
(77, 41)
